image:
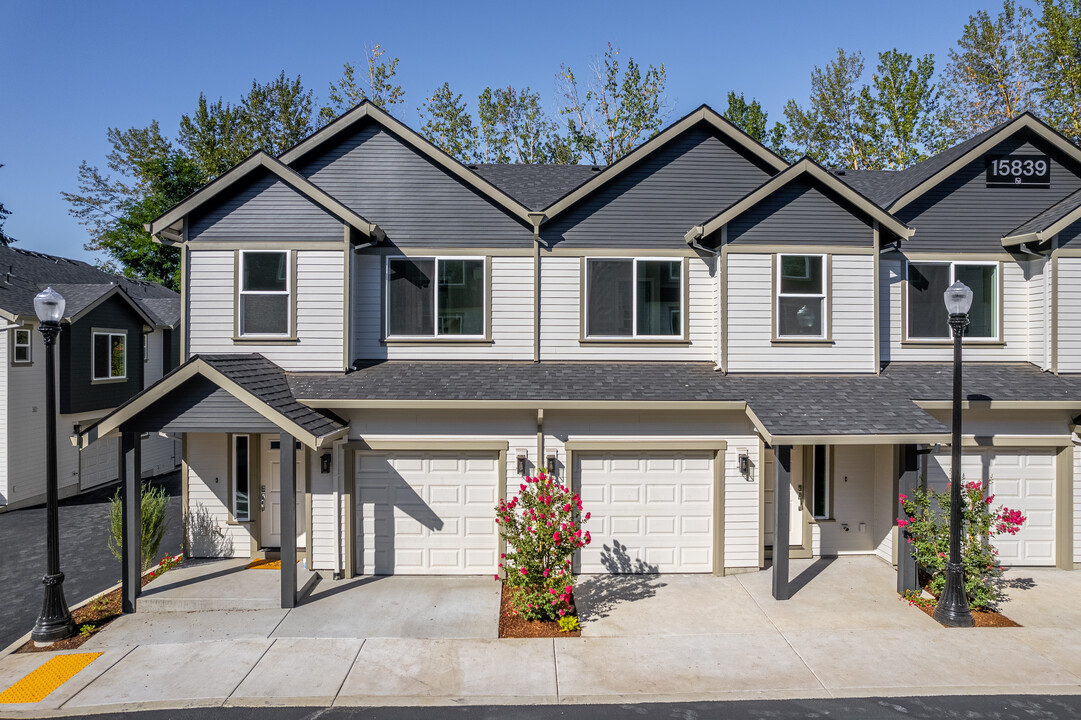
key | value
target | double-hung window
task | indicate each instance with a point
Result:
(109, 356)
(20, 349)
(634, 298)
(265, 293)
(241, 479)
(801, 297)
(436, 297)
(928, 318)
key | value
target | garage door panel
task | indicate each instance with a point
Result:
(651, 511)
(446, 494)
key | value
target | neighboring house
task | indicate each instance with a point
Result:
(117, 338)
(655, 331)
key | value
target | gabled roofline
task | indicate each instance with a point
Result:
(1038, 236)
(108, 294)
(705, 114)
(197, 366)
(804, 166)
(368, 110)
(1025, 120)
(163, 230)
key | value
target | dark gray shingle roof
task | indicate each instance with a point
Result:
(535, 186)
(1049, 216)
(165, 311)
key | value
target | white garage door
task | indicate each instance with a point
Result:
(1021, 480)
(97, 463)
(651, 512)
(427, 513)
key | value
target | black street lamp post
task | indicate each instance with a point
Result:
(952, 609)
(55, 622)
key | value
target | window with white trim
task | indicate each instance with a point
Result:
(21, 343)
(109, 357)
(801, 297)
(264, 305)
(634, 298)
(820, 482)
(436, 297)
(928, 318)
(241, 478)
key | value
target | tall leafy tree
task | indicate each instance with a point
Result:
(5, 239)
(752, 119)
(514, 127)
(378, 86)
(906, 105)
(1058, 58)
(615, 108)
(448, 124)
(216, 136)
(278, 113)
(992, 73)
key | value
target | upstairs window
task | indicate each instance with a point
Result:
(109, 359)
(264, 307)
(436, 297)
(634, 298)
(20, 348)
(928, 318)
(801, 297)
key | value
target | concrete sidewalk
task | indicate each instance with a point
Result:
(685, 638)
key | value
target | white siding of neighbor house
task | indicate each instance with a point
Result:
(26, 430)
(1069, 314)
(319, 307)
(561, 309)
(5, 362)
(512, 315)
(750, 319)
(208, 488)
(1015, 307)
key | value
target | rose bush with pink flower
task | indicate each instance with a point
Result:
(542, 526)
(927, 529)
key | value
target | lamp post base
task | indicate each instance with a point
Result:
(55, 622)
(952, 609)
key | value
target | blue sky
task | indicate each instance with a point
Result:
(69, 70)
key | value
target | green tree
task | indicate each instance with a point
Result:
(278, 113)
(153, 523)
(906, 104)
(514, 128)
(992, 74)
(5, 239)
(216, 136)
(616, 108)
(378, 86)
(752, 119)
(448, 124)
(1058, 61)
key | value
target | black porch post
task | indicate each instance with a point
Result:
(131, 519)
(906, 485)
(782, 488)
(288, 491)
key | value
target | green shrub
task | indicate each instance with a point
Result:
(569, 623)
(154, 523)
(542, 526)
(86, 630)
(927, 529)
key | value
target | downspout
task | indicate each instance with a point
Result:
(536, 218)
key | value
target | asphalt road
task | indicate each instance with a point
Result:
(1024, 707)
(85, 560)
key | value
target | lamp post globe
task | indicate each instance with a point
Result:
(55, 622)
(952, 608)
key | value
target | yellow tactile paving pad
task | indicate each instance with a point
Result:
(49, 676)
(265, 565)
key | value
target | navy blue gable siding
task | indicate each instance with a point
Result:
(77, 392)
(416, 202)
(1070, 236)
(654, 203)
(265, 208)
(198, 405)
(802, 213)
(962, 214)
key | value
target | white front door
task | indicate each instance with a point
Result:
(799, 533)
(270, 492)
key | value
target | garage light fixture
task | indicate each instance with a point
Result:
(745, 464)
(523, 454)
(324, 463)
(550, 465)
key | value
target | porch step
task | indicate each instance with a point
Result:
(213, 587)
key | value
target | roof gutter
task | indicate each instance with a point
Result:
(693, 237)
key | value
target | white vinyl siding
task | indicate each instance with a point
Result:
(1016, 319)
(4, 410)
(741, 504)
(26, 431)
(1069, 314)
(1077, 504)
(319, 310)
(561, 307)
(323, 550)
(1039, 314)
(511, 316)
(750, 319)
(208, 501)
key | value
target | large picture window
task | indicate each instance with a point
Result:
(241, 479)
(801, 296)
(436, 297)
(631, 297)
(265, 295)
(20, 350)
(109, 357)
(928, 318)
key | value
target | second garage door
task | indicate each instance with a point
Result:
(426, 513)
(651, 511)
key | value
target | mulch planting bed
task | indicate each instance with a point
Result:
(983, 618)
(514, 626)
(99, 612)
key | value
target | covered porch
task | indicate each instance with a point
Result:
(249, 446)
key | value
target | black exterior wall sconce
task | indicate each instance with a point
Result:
(324, 463)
